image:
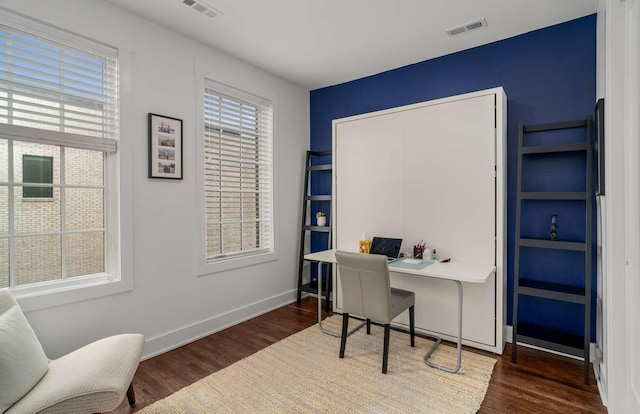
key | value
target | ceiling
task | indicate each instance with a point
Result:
(325, 42)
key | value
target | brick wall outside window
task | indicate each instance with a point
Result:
(39, 258)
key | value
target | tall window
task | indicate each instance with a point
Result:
(238, 173)
(58, 129)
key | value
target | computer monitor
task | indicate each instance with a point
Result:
(386, 246)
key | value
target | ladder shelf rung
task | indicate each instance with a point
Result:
(554, 346)
(553, 291)
(319, 153)
(555, 126)
(320, 167)
(549, 338)
(313, 288)
(553, 195)
(324, 197)
(319, 229)
(549, 149)
(552, 244)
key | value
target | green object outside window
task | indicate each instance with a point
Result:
(37, 169)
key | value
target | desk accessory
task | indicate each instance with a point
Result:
(418, 250)
(364, 244)
(386, 246)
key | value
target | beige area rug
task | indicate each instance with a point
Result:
(303, 374)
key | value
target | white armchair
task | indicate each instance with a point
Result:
(92, 379)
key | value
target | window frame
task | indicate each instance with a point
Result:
(118, 239)
(251, 94)
(114, 280)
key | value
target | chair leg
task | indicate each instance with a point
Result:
(385, 352)
(412, 326)
(368, 326)
(131, 395)
(343, 338)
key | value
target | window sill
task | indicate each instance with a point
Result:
(49, 295)
(222, 265)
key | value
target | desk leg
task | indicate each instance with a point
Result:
(438, 339)
(322, 329)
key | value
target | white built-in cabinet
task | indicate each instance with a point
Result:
(432, 171)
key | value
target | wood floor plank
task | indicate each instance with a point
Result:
(540, 382)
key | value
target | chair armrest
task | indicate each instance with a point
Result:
(93, 378)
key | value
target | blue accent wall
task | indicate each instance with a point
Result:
(549, 75)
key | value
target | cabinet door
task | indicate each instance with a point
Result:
(449, 178)
(369, 176)
(367, 188)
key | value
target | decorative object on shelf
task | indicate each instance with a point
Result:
(553, 234)
(165, 147)
(321, 218)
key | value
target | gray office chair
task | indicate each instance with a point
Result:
(367, 292)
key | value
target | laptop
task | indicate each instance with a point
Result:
(386, 246)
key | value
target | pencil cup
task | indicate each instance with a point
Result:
(417, 253)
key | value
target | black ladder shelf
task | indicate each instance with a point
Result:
(568, 343)
(325, 285)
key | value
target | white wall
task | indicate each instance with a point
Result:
(621, 223)
(169, 304)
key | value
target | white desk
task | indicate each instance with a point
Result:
(456, 272)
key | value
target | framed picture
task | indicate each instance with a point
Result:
(165, 147)
(600, 146)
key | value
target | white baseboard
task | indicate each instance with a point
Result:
(509, 335)
(599, 370)
(602, 383)
(194, 331)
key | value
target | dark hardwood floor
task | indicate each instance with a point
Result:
(539, 383)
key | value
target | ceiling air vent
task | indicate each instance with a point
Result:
(465, 28)
(202, 7)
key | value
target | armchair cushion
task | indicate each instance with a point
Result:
(93, 378)
(22, 360)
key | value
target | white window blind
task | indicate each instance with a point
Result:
(55, 88)
(238, 174)
(59, 103)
